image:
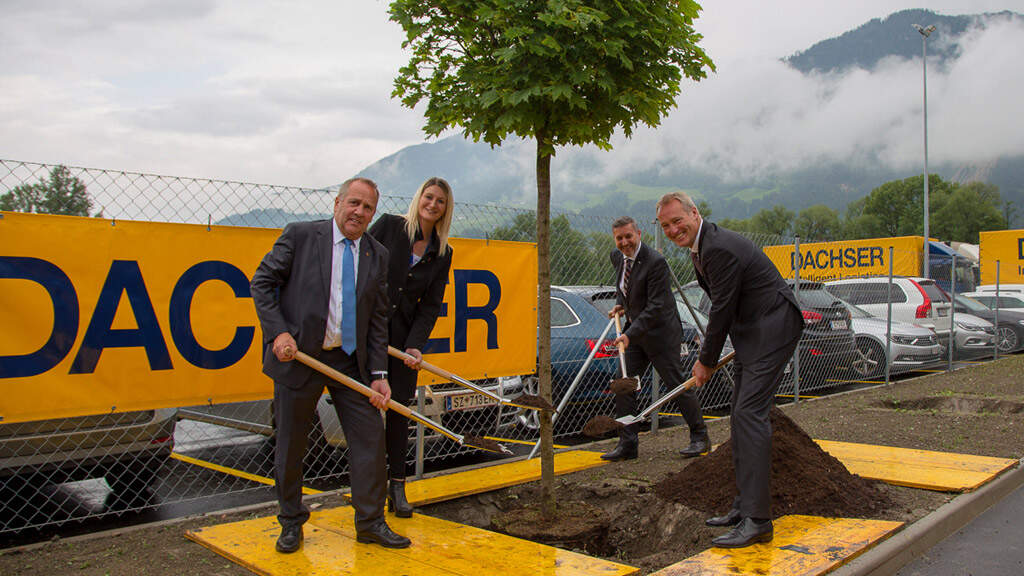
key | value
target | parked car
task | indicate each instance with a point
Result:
(914, 300)
(917, 301)
(1004, 301)
(125, 448)
(910, 347)
(827, 346)
(1002, 288)
(579, 314)
(1009, 335)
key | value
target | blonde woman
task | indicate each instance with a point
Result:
(420, 259)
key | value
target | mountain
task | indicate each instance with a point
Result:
(733, 164)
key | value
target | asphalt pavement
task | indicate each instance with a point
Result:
(990, 545)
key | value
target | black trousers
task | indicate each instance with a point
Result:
(403, 387)
(363, 427)
(670, 369)
(750, 425)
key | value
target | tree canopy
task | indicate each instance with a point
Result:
(563, 72)
(61, 193)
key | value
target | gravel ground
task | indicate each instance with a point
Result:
(976, 410)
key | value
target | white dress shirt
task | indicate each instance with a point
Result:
(332, 337)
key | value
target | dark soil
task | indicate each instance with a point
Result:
(805, 480)
(623, 385)
(533, 401)
(600, 426)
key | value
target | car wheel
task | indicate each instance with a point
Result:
(870, 359)
(1007, 339)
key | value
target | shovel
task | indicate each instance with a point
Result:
(646, 413)
(471, 441)
(528, 401)
(624, 385)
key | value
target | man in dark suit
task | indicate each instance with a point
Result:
(751, 303)
(322, 289)
(652, 334)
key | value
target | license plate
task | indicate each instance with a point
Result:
(839, 324)
(942, 312)
(467, 402)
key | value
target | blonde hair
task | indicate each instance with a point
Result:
(412, 218)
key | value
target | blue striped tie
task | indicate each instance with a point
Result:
(348, 300)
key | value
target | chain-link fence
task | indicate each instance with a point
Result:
(74, 468)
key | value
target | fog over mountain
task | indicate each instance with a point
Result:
(825, 125)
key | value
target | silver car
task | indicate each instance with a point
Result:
(125, 448)
(974, 336)
(911, 346)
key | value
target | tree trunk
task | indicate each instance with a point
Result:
(547, 451)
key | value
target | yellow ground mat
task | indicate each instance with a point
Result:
(439, 548)
(488, 478)
(945, 471)
(803, 545)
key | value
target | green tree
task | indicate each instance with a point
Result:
(898, 206)
(737, 224)
(818, 222)
(970, 209)
(776, 221)
(62, 193)
(563, 72)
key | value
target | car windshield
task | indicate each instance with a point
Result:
(970, 303)
(855, 312)
(685, 315)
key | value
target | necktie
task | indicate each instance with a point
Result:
(348, 299)
(696, 262)
(625, 276)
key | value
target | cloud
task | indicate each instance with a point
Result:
(757, 117)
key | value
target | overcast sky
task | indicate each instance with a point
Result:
(298, 93)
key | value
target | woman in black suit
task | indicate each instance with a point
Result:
(420, 259)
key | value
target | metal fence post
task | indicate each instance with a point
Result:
(420, 405)
(656, 378)
(888, 325)
(796, 292)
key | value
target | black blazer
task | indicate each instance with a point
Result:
(291, 290)
(415, 293)
(653, 319)
(750, 302)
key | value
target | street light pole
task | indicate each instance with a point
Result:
(925, 32)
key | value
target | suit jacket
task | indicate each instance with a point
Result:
(653, 319)
(414, 294)
(750, 302)
(291, 291)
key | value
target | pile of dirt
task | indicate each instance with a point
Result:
(805, 479)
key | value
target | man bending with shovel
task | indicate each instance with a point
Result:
(653, 335)
(753, 305)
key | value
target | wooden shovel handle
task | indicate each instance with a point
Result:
(622, 347)
(350, 382)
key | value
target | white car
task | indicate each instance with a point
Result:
(1005, 300)
(914, 300)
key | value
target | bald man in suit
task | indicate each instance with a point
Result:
(322, 289)
(753, 305)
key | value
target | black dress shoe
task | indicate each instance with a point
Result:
(699, 446)
(290, 539)
(731, 518)
(381, 534)
(621, 452)
(745, 533)
(396, 499)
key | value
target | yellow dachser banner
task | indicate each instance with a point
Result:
(1007, 248)
(103, 316)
